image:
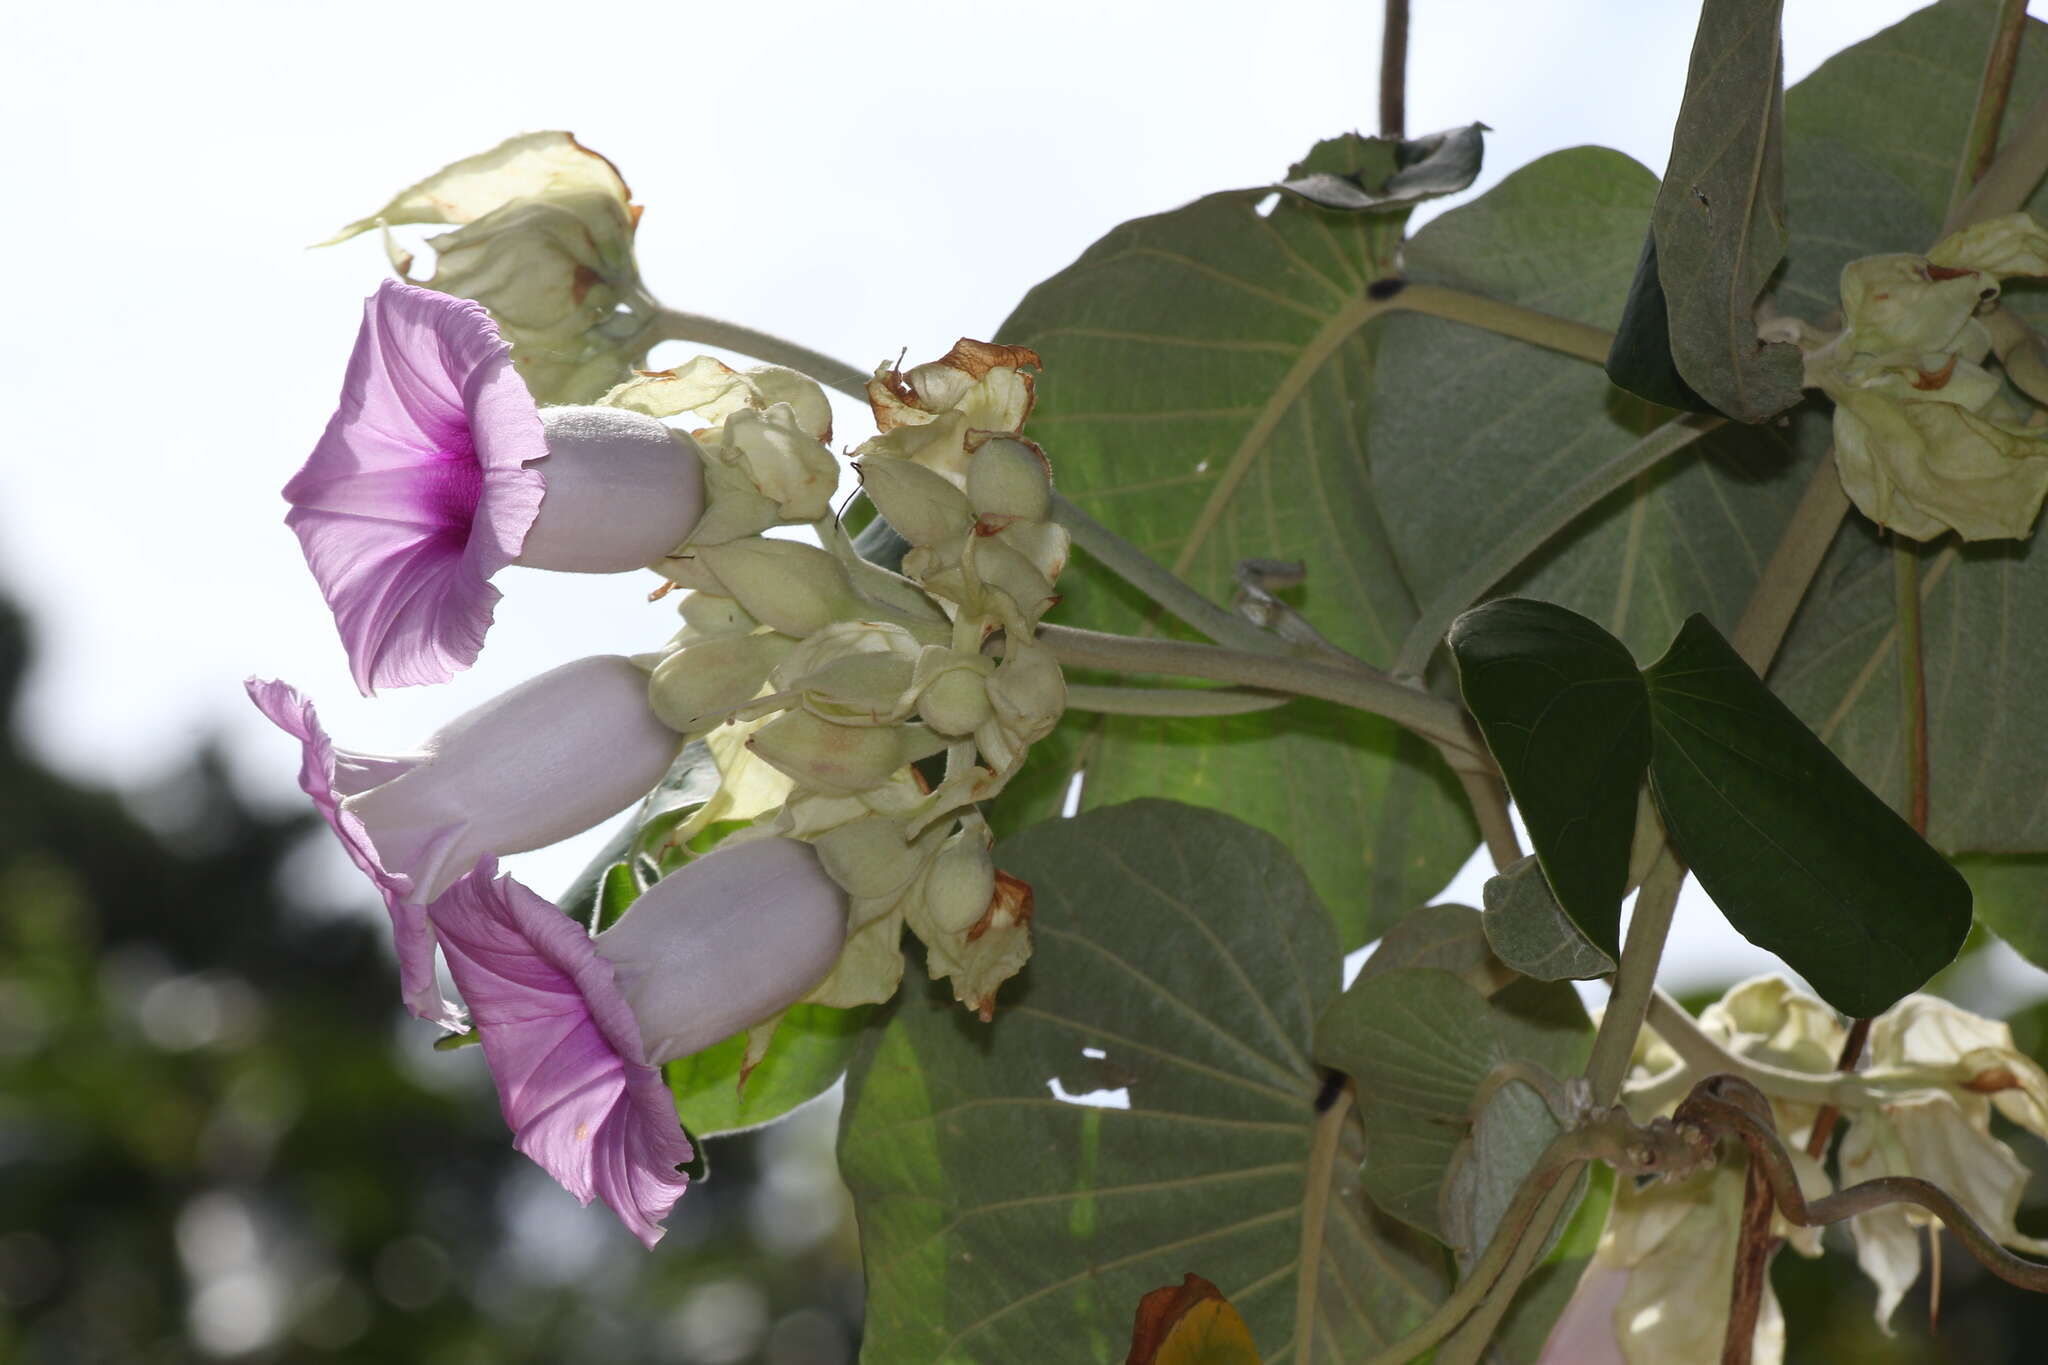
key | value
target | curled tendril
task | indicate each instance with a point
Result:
(1732, 1107)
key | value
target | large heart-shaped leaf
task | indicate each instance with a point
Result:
(1423, 1046)
(1206, 377)
(1476, 437)
(1800, 856)
(1181, 961)
(1567, 718)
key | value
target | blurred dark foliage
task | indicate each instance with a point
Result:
(219, 1137)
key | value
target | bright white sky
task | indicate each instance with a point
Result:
(862, 180)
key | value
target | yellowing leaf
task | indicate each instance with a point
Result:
(1190, 1323)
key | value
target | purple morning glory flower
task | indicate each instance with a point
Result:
(437, 470)
(531, 767)
(564, 1049)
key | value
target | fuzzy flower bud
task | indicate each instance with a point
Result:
(919, 505)
(696, 685)
(726, 942)
(842, 760)
(622, 491)
(545, 241)
(795, 588)
(1009, 480)
(961, 884)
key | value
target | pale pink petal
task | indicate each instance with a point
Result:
(418, 491)
(411, 934)
(564, 1049)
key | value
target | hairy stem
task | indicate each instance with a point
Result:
(1315, 1207)
(1912, 676)
(1783, 584)
(1529, 536)
(1429, 716)
(1557, 1166)
(670, 324)
(1705, 1056)
(1161, 584)
(1171, 701)
(1489, 798)
(1974, 169)
(1635, 978)
(1538, 328)
(1393, 97)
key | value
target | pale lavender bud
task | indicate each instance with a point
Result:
(622, 491)
(728, 941)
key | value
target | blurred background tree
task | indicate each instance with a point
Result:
(221, 1137)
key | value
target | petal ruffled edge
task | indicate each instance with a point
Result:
(292, 712)
(564, 1049)
(407, 583)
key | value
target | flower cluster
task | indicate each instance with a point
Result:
(1921, 1106)
(1928, 440)
(846, 674)
(815, 678)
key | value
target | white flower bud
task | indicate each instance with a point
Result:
(960, 885)
(922, 507)
(1009, 480)
(544, 761)
(795, 588)
(871, 858)
(697, 684)
(707, 614)
(622, 491)
(728, 941)
(840, 759)
(956, 702)
(1006, 571)
(1028, 692)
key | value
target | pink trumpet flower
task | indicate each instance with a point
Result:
(574, 1027)
(533, 766)
(437, 470)
(564, 1049)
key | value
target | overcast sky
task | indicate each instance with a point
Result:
(863, 179)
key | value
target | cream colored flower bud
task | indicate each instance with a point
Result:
(956, 702)
(708, 614)
(1028, 692)
(1009, 480)
(871, 858)
(841, 760)
(1005, 570)
(961, 883)
(695, 686)
(794, 588)
(922, 507)
(855, 671)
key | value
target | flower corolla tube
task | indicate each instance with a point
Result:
(438, 469)
(574, 1027)
(533, 766)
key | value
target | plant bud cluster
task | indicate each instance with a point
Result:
(843, 676)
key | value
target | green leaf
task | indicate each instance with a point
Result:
(2011, 895)
(1422, 1045)
(1719, 224)
(1640, 359)
(1567, 717)
(1448, 937)
(1351, 173)
(618, 890)
(813, 1045)
(1802, 858)
(1206, 377)
(998, 1223)
(1475, 437)
(1530, 932)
